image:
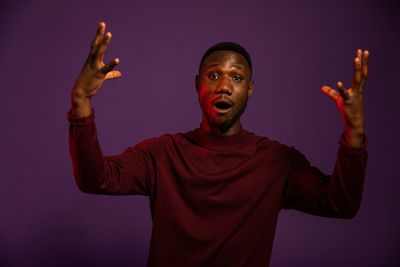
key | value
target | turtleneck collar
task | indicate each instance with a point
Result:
(219, 141)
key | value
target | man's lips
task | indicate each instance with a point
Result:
(222, 105)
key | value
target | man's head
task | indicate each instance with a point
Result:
(227, 46)
(224, 85)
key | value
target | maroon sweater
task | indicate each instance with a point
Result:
(215, 199)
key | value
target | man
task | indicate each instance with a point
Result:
(215, 192)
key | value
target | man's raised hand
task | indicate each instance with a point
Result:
(350, 101)
(93, 73)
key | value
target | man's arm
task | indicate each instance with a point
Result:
(127, 173)
(131, 172)
(338, 195)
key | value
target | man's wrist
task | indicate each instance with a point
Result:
(355, 137)
(81, 106)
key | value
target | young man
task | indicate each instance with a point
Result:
(215, 192)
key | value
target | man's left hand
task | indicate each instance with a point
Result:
(350, 101)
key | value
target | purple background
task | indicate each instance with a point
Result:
(296, 48)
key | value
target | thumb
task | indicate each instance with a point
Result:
(333, 94)
(113, 74)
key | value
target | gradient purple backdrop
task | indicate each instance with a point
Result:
(297, 46)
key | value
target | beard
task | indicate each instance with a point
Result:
(224, 122)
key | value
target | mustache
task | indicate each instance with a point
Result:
(223, 99)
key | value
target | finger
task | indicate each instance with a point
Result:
(333, 94)
(113, 74)
(359, 53)
(357, 78)
(110, 66)
(364, 67)
(98, 37)
(103, 46)
(342, 90)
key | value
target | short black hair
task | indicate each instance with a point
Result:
(227, 46)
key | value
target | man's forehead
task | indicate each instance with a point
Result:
(222, 57)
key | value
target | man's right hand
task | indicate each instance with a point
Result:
(93, 73)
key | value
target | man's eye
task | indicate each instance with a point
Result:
(213, 76)
(237, 78)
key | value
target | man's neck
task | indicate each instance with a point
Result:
(234, 129)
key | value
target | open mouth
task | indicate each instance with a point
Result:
(222, 105)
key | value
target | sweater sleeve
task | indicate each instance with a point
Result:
(128, 173)
(338, 195)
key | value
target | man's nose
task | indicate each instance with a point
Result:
(224, 86)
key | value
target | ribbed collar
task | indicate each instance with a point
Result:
(219, 141)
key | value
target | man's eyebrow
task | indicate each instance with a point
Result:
(239, 66)
(213, 65)
(217, 64)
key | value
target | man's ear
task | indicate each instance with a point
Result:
(196, 80)
(251, 87)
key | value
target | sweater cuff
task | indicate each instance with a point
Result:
(74, 120)
(353, 150)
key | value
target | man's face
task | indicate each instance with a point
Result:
(224, 85)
